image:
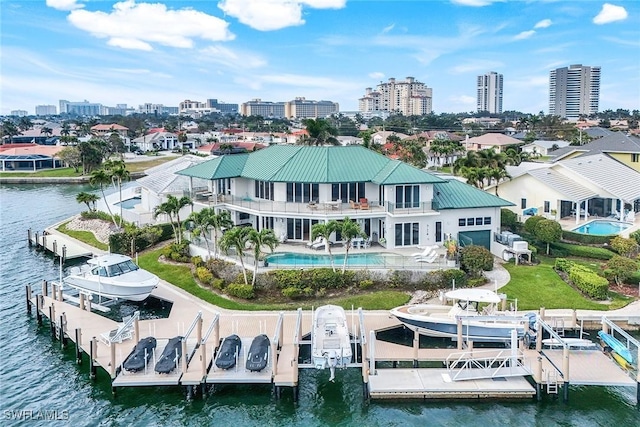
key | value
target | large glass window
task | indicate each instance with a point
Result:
(348, 191)
(407, 196)
(302, 192)
(407, 234)
(263, 190)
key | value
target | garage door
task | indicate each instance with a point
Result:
(478, 238)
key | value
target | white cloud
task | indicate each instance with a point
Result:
(474, 3)
(610, 13)
(269, 15)
(64, 4)
(524, 35)
(376, 75)
(545, 23)
(134, 25)
(388, 28)
(232, 58)
(478, 65)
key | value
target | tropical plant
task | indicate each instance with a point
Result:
(236, 238)
(258, 240)
(220, 221)
(119, 173)
(172, 208)
(320, 132)
(474, 259)
(88, 199)
(349, 230)
(620, 268)
(71, 156)
(548, 231)
(324, 230)
(203, 223)
(625, 247)
(101, 177)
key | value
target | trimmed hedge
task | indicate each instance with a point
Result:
(563, 264)
(588, 239)
(566, 249)
(589, 282)
(240, 290)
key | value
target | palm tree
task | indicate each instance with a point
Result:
(175, 205)
(88, 199)
(203, 222)
(166, 209)
(237, 239)
(219, 222)
(101, 177)
(46, 131)
(320, 132)
(349, 230)
(498, 175)
(119, 173)
(325, 230)
(258, 239)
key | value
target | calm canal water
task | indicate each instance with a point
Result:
(37, 375)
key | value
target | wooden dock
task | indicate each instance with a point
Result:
(61, 245)
(204, 325)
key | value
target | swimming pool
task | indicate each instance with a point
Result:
(601, 227)
(130, 203)
(370, 260)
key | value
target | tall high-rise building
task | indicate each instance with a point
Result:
(46, 110)
(409, 97)
(490, 92)
(574, 91)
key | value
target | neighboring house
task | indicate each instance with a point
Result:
(544, 148)
(157, 141)
(105, 130)
(597, 184)
(29, 157)
(381, 137)
(152, 190)
(597, 132)
(617, 145)
(497, 141)
(290, 188)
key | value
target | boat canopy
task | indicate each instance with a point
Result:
(474, 295)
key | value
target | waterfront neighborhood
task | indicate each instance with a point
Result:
(318, 250)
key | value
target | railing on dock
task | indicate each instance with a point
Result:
(486, 364)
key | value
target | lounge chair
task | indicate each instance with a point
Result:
(364, 203)
(124, 331)
(318, 245)
(354, 205)
(426, 252)
(430, 258)
(311, 244)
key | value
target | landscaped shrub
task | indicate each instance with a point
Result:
(589, 282)
(365, 284)
(531, 223)
(217, 284)
(177, 252)
(581, 251)
(479, 281)
(547, 231)
(476, 259)
(291, 292)
(197, 261)
(448, 276)
(635, 236)
(625, 247)
(240, 290)
(563, 264)
(204, 275)
(509, 220)
(620, 268)
(587, 239)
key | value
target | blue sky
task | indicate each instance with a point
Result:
(164, 51)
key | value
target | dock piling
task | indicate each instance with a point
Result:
(565, 372)
(29, 237)
(63, 340)
(78, 346)
(45, 288)
(81, 297)
(416, 347)
(112, 365)
(64, 254)
(93, 350)
(52, 322)
(37, 241)
(39, 309)
(28, 295)
(55, 248)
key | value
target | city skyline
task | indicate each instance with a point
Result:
(238, 50)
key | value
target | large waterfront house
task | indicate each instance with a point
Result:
(291, 188)
(618, 145)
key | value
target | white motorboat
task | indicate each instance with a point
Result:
(482, 325)
(330, 341)
(112, 276)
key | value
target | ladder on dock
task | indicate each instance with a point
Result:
(551, 380)
(475, 365)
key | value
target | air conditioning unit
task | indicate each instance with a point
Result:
(520, 245)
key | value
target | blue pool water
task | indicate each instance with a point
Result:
(290, 259)
(129, 203)
(602, 228)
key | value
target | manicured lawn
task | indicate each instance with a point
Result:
(84, 236)
(540, 286)
(181, 277)
(153, 161)
(48, 173)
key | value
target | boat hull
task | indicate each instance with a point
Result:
(106, 289)
(472, 330)
(331, 343)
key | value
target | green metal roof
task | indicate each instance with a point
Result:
(288, 163)
(454, 194)
(221, 167)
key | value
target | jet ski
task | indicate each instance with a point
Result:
(258, 353)
(170, 356)
(140, 355)
(228, 352)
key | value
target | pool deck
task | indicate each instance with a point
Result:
(569, 223)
